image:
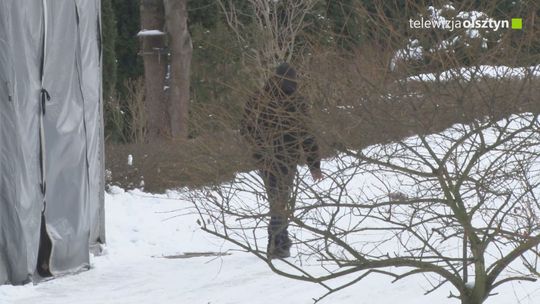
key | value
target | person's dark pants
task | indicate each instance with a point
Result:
(279, 181)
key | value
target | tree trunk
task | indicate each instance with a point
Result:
(181, 48)
(471, 301)
(155, 66)
(474, 296)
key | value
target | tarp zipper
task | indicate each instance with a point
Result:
(45, 96)
(45, 243)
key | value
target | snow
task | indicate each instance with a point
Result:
(413, 51)
(472, 15)
(150, 33)
(480, 72)
(144, 229)
(473, 33)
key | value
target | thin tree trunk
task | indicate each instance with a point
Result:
(155, 66)
(180, 60)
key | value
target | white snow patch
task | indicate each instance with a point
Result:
(150, 33)
(479, 72)
(413, 51)
(472, 15)
(115, 190)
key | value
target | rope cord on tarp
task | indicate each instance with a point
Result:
(44, 98)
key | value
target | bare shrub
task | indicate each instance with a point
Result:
(433, 172)
(209, 159)
(277, 25)
(115, 121)
(126, 119)
(135, 101)
(473, 184)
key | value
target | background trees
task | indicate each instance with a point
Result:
(155, 57)
(223, 61)
(167, 60)
(138, 113)
(336, 38)
(181, 48)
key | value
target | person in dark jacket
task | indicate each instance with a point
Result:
(275, 124)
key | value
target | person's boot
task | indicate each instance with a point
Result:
(275, 251)
(279, 245)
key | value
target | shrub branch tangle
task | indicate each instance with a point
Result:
(448, 188)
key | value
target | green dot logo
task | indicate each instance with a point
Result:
(517, 23)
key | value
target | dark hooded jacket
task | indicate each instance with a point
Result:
(276, 121)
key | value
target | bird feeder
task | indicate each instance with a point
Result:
(153, 43)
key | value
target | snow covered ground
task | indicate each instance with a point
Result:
(481, 72)
(143, 228)
(156, 253)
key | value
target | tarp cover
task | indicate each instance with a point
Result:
(51, 149)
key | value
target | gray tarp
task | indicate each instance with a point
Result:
(52, 45)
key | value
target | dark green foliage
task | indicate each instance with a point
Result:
(203, 12)
(346, 22)
(113, 120)
(127, 44)
(130, 65)
(110, 34)
(120, 25)
(218, 79)
(501, 9)
(242, 7)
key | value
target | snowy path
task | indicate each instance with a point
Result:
(133, 269)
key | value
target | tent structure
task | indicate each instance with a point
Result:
(51, 137)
